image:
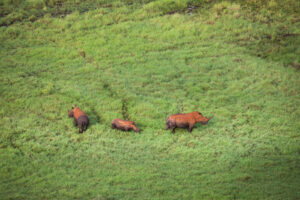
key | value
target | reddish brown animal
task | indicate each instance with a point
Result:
(80, 118)
(187, 120)
(124, 125)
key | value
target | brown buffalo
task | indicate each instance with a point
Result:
(124, 125)
(80, 118)
(187, 120)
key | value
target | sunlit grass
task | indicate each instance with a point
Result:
(144, 66)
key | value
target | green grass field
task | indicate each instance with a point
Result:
(145, 63)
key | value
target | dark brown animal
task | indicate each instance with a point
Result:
(187, 120)
(80, 118)
(124, 125)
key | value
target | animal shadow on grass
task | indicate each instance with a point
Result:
(203, 128)
(200, 127)
(94, 117)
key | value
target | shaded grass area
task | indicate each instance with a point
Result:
(145, 67)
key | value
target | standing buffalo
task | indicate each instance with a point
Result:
(124, 125)
(187, 120)
(80, 118)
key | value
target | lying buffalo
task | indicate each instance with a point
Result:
(187, 120)
(124, 125)
(80, 118)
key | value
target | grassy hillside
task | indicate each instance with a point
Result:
(144, 62)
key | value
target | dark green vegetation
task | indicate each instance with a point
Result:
(144, 62)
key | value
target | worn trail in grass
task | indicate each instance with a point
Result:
(144, 69)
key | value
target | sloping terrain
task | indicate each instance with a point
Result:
(144, 63)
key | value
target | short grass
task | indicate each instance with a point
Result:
(144, 67)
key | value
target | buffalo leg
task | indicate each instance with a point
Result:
(84, 127)
(75, 122)
(173, 129)
(191, 127)
(80, 127)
